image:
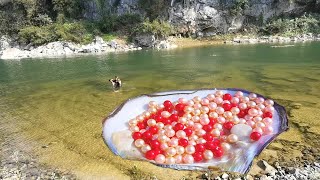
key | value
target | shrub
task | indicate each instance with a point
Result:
(157, 27)
(239, 6)
(75, 32)
(37, 35)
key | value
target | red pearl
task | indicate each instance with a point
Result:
(228, 125)
(147, 135)
(180, 113)
(155, 144)
(166, 121)
(218, 152)
(234, 104)
(212, 121)
(226, 106)
(208, 137)
(136, 135)
(210, 145)
(267, 114)
(197, 156)
(150, 155)
(178, 127)
(200, 147)
(183, 142)
(153, 129)
(158, 118)
(227, 97)
(174, 117)
(255, 136)
(180, 107)
(188, 131)
(158, 151)
(167, 103)
(169, 109)
(207, 127)
(241, 114)
(141, 125)
(216, 142)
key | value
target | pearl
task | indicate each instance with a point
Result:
(213, 115)
(193, 137)
(190, 103)
(140, 118)
(227, 114)
(201, 141)
(174, 142)
(260, 100)
(268, 129)
(268, 102)
(232, 138)
(164, 146)
(152, 110)
(248, 117)
(167, 127)
(267, 120)
(139, 142)
(252, 96)
(220, 110)
(204, 116)
(204, 109)
(196, 99)
(205, 101)
(218, 93)
(193, 143)
(182, 120)
(225, 146)
(212, 106)
(160, 125)
(190, 123)
(152, 104)
(251, 104)
(201, 132)
(188, 159)
(181, 134)
(155, 136)
(223, 138)
(218, 100)
(210, 97)
(151, 122)
(225, 101)
(171, 151)
(242, 121)
(197, 126)
(197, 106)
(178, 159)
(160, 106)
(217, 126)
(257, 119)
(133, 122)
(182, 100)
(134, 128)
(251, 123)
(180, 149)
(261, 106)
(238, 94)
(253, 112)
(235, 100)
(165, 114)
(204, 121)
(145, 148)
(160, 159)
(257, 129)
(162, 138)
(143, 130)
(161, 132)
(260, 125)
(244, 99)
(235, 120)
(188, 116)
(241, 130)
(170, 160)
(188, 109)
(147, 114)
(215, 132)
(170, 133)
(235, 110)
(195, 118)
(208, 154)
(260, 113)
(243, 106)
(269, 109)
(221, 120)
(190, 149)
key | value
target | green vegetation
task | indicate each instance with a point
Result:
(157, 27)
(239, 6)
(154, 8)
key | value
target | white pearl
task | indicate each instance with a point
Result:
(218, 100)
(211, 97)
(225, 146)
(164, 146)
(227, 114)
(147, 114)
(162, 132)
(205, 101)
(193, 137)
(208, 154)
(238, 94)
(197, 112)
(143, 130)
(252, 96)
(181, 134)
(244, 99)
(190, 149)
(167, 127)
(182, 120)
(235, 120)
(193, 143)
(170, 132)
(190, 123)
(145, 148)
(201, 132)
(180, 149)
(190, 103)
(259, 100)
(165, 114)
(213, 115)
(218, 93)
(152, 104)
(151, 122)
(269, 109)
(188, 159)
(257, 119)
(162, 138)
(243, 106)
(251, 104)
(182, 100)
(195, 118)
(196, 99)
(201, 141)
(232, 138)
(215, 132)
(219, 110)
(140, 118)
(267, 120)
(204, 121)
(188, 116)
(160, 106)
(170, 160)
(235, 110)
(250, 123)
(134, 128)
(171, 151)
(260, 106)
(133, 122)
(139, 142)
(152, 110)
(188, 109)
(235, 100)
(242, 121)
(221, 120)
(268, 102)
(204, 116)
(260, 113)
(197, 126)
(225, 101)
(260, 125)
(253, 112)
(217, 126)
(174, 142)
(212, 106)
(257, 129)
(160, 159)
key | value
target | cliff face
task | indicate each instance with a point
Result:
(208, 17)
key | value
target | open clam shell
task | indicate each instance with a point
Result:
(118, 138)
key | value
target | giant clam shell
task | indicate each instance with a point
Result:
(118, 138)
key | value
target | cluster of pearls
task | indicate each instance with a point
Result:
(199, 129)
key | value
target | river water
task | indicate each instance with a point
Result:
(60, 103)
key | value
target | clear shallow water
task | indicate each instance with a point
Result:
(61, 102)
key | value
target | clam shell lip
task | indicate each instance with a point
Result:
(118, 121)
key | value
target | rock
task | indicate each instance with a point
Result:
(224, 176)
(295, 105)
(145, 40)
(265, 177)
(4, 43)
(113, 44)
(98, 40)
(268, 169)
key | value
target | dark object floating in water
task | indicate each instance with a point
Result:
(116, 83)
(118, 138)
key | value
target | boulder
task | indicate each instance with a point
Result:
(145, 40)
(98, 40)
(4, 43)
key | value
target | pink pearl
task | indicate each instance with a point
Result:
(225, 101)
(205, 101)
(183, 100)
(182, 120)
(181, 134)
(227, 114)
(178, 159)
(170, 160)
(251, 104)
(167, 127)
(197, 106)
(180, 149)
(204, 121)
(201, 141)
(134, 128)
(196, 99)
(188, 116)
(260, 113)
(243, 106)
(260, 125)
(268, 102)
(208, 154)
(257, 119)
(212, 105)
(248, 117)
(190, 103)
(268, 129)
(152, 104)
(225, 146)
(145, 148)
(232, 138)
(160, 106)
(210, 97)
(190, 149)
(139, 142)
(204, 116)
(257, 129)
(201, 132)
(244, 99)
(217, 126)
(188, 159)
(155, 136)
(151, 122)
(242, 121)
(267, 120)
(269, 109)
(164, 146)
(193, 143)
(238, 94)
(147, 114)
(221, 119)
(261, 106)
(196, 112)
(190, 123)
(195, 118)
(152, 110)
(219, 110)
(193, 137)
(173, 123)
(160, 159)
(218, 93)
(197, 126)
(252, 96)
(259, 100)
(253, 112)
(235, 120)
(162, 132)
(235, 100)
(218, 100)
(250, 123)
(142, 131)
(165, 114)
(204, 109)
(162, 138)
(235, 110)
(188, 109)
(173, 142)
(171, 151)
(213, 115)
(215, 132)
(140, 118)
